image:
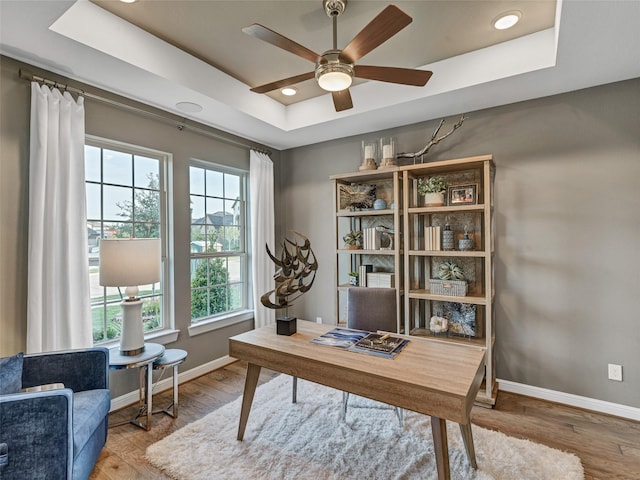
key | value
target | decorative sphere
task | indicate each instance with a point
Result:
(379, 204)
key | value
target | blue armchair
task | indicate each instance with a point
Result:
(56, 434)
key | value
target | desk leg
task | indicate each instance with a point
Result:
(250, 384)
(294, 394)
(439, 431)
(467, 437)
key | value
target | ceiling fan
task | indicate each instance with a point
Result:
(336, 68)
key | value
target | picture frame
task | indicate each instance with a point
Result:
(462, 194)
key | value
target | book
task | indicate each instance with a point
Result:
(371, 238)
(381, 280)
(379, 342)
(340, 337)
(372, 344)
(364, 271)
(348, 338)
(432, 238)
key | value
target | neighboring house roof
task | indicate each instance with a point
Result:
(215, 219)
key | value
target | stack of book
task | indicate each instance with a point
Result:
(381, 280)
(363, 272)
(379, 344)
(432, 237)
(371, 238)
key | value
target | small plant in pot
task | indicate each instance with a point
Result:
(353, 240)
(450, 271)
(433, 189)
(353, 278)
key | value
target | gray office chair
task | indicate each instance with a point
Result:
(371, 309)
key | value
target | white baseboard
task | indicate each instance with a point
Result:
(609, 408)
(167, 382)
(601, 406)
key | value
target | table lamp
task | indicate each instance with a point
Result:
(129, 263)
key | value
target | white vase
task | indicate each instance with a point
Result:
(434, 199)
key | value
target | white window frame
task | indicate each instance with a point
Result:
(167, 333)
(225, 319)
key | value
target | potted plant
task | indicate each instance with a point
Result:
(353, 278)
(353, 240)
(433, 189)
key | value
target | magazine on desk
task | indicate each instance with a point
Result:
(340, 337)
(361, 341)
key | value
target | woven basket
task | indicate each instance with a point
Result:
(457, 288)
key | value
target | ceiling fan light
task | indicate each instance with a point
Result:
(334, 81)
(506, 20)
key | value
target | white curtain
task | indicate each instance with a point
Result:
(262, 233)
(58, 302)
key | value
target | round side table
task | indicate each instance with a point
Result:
(171, 358)
(142, 362)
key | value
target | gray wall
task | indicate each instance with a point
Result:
(115, 124)
(567, 208)
(568, 230)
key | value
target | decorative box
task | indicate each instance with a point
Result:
(286, 325)
(457, 288)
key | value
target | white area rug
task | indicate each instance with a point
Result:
(308, 440)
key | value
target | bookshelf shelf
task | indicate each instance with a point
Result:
(368, 252)
(427, 295)
(426, 333)
(447, 253)
(364, 213)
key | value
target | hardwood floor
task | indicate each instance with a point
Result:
(609, 447)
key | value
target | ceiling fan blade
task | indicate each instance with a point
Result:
(274, 38)
(342, 100)
(404, 76)
(388, 22)
(283, 83)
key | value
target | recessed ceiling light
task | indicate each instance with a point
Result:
(506, 20)
(128, 1)
(189, 107)
(289, 91)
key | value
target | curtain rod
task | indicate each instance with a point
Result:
(156, 116)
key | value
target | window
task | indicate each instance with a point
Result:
(218, 241)
(124, 186)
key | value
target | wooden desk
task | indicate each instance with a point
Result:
(433, 378)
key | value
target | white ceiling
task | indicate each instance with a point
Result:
(590, 43)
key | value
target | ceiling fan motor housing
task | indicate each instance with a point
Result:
(334, 8)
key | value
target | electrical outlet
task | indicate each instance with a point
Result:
(615, 372)
(319, 320)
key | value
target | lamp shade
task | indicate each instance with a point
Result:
(129, 262)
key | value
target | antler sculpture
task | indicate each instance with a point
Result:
(295, 274)
(433, 140)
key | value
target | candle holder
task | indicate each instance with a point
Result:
(388, 152)
(369, 155)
